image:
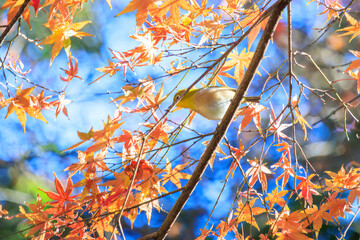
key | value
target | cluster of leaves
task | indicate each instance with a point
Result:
(140, 177)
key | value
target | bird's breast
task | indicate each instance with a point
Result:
(212, 103)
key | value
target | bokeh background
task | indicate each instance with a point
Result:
(28, 160)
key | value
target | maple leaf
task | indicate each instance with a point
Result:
(143, 7)
(250, 112)
(131, 144)
(246, 212)
(111, 69)
(251, 16)
(355, 65)
(90, 184)
(72, 70)
(17, 66)
(155, 101)
(63, 196)
(174, 174)
(14, 7)
(342, 180)
(202, 10)
(240, 62)
(140, 92)
(224, 227)
(60, 105)
(40, 220)
(145, 171)
(211, 29)
(336, 206)
(62, 29)
(90, 162)
(354, 29)
(291, 225)
(3, 102)
(35, 4)
(101, 138)
(205, 233)
(3, 213)
(118, 187)
(20, 104)
(284, 163)
(307, 188)
(114, 67)
(316, 216)
(332, 9)
(231, 6)
(299, 117)
(122, 62)
(174, 7)
(291, 235)
(238, 153)
(258, 172)
(147, 49)
(276, 197)
(276, 126)
(160, 132)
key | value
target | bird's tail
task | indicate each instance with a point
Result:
(251, 99)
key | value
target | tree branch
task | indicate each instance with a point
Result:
(13, 21)
(221, 129)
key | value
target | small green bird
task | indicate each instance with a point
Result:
(210, 102)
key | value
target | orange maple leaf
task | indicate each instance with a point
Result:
(307, 188)
(250, 17)
(62, 29)
(291, 225)
(174, 7)
(211, 29)
(354, 29)
(72, 71)
(141, 92)
(63, 196)
(284, 163)
(160, 132)
(14, 6)
(23, 103)
(147, 49)
(355, 65)
(316, 216)
(276, 197)
(238, 153)
(299, 118)
(336, 206)
(246, 212)
(240, 62)
(258, 172)
(60, 105)
(250, 112)
(174, 174)
(143, 7)
(332, 9)
(205, 233)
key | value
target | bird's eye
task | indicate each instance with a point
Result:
(177, 97)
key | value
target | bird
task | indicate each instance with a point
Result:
(209, 102)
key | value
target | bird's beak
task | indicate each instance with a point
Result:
(176, 108)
